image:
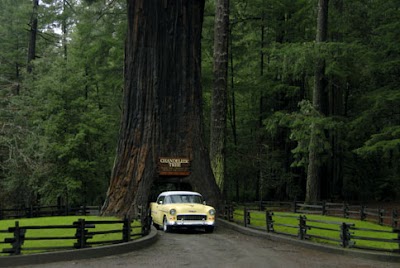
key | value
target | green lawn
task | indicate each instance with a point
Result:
(5, 224)
(258, 220)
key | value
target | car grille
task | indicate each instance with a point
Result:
(192, 217)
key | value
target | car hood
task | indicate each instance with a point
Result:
(184, 208)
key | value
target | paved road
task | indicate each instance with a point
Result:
(223, 248)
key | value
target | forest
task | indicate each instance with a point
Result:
(62, 80)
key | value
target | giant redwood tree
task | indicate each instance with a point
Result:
(162, 109)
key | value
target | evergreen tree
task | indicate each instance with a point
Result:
(319, 94)
(14, 16)
(69, 111)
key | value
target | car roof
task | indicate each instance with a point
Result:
(179, 193)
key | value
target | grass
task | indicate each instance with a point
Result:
(46, 221)
(258, 220)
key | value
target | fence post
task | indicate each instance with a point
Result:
(294, 206)
(362, 213)
(302, 227)
(394, 218)
(227, 212)
(269, 221)
(80, 234)
(345, 235)
(246, 217)
(19, 238)
(139, 213)
(345, 210)
(380, 217)
(261, 206)
(230, 213)
(37, 211)
(324, 208)
(126, 230)
(146, 222)
(398, 237)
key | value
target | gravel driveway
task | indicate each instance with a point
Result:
(223, 248)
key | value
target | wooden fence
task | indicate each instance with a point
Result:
(43, 211)
(344, 231)
(344, 210)
(84, 233)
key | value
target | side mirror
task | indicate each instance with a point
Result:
(204, 203)
(160, 202)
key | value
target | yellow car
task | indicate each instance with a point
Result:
(176, 209)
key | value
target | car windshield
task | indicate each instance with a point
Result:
(183, 199)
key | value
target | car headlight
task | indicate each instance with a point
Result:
(172, 212)
(211, 212)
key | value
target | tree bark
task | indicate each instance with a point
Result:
(33, 34)
(219, 94)
(313, 190)
(64, 29)
(162, 111)
(319, 94)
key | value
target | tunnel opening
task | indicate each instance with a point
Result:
(167, 183)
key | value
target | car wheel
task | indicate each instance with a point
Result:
(209, 229)
(166, 228)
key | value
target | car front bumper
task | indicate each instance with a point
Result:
(192, 223)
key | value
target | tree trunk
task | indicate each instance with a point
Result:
(337, 93)
(319, 94)
(64, 29)
(162, 111)
(33, 34)
(232, 112)
(313, 185)
(232, 106)
(313, 189)
(219, 94)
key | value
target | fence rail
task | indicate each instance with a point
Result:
(340, 232)
(42, 211)
(344, 210)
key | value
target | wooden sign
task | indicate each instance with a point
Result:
(173, 166)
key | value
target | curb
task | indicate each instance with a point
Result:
(385, 257)
(79, 254)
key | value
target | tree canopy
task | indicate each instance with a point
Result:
(59, 120)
